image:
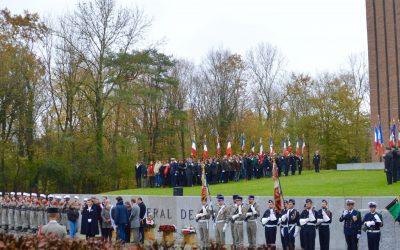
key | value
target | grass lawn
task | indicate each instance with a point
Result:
(325, 183)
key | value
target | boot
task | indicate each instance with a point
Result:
(273, 247)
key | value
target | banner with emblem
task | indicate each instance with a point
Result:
(204, 190)
(278, 196)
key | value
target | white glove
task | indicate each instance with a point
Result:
(249, 214)
(303, 221)
(311, 215)
(89, 220)
(319, 221)
(279, 221)
(284, 217)
(204, 210)
(235, 216)
(325, 216)
(354, 218)
(370, 223)
(345, 212)
(199, 215)
(377, 218)
(264, 220)
(253, 209)
(240, 209)
(224, 228)
(358, 236)
(296, 231)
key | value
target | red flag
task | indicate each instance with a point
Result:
(229, 148)
(303, 147)
(205, 153)
(289, 149)
(204, 190)
(261, 158)
(297, 147)
(218, 147)
(278, 197)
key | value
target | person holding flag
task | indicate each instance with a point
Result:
(261, 156)
(269, 221)
(271, 147)
(204, 214)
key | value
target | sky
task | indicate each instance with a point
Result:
(314, 35)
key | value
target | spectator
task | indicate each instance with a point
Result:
(151, 174)
(128, 226)
(143, 170)
(73, 216)
(142, 216)
(138, 175)
(119, 214)
(157, 167)
(134, 219)
(90, 218)
(106, 226)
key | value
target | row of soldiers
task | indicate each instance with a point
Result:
(289, 222)
(25, 212)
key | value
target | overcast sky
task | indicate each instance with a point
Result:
(314, 35)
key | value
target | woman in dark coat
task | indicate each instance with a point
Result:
(90, 220)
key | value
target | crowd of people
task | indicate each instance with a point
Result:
(29, 213)
(173, 173)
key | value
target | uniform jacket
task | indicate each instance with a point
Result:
(375, 217)
(255, 210)
(350, 226)
(268, 214)
(54, 228)
(241, 216)
(207, 215)
(320, 216)
(223, 213)
(292, 217)
(305, 214)
(134, 218)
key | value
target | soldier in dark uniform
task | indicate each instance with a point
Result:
(291, 220)
(317, 161)
(138, 173)
(300, 163)
(292, 164)
(373, 223)
(284, 165)
(249, 171)
(224, 170)
(283, 225)
(396, 164)
(268, 166)
(388, 157)
(270, 221)
(308, 219)
(352, 225)
(278, 164)
(324, 218)
(302, 237)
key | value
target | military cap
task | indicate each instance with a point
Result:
(308, 201)
(220, 197)
(85, 199)
(12, 193)
(285, 202)
(52, 210)
(43, 196)
(325, 201)
(58, 197)
(350, 202)
(292, 201)
(235, 196)
(239, 197)
(270, 201)
(251, 196)
(34, 195)
(67, 196)
(76, 197)
(1, 193)
(371, 204)
(50, 196)
(19, 193)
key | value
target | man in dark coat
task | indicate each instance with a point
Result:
(119, 214)
(317, 161)
(138, 175)
(142, 217)
(396, 164)
(90, 220)
(388, 157)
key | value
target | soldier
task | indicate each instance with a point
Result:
(352, 225)
(63, 210)
(253, 212)
(308, 219)
(4, 211)
(41, 210)
(300, 163)
(202, 218)
(270, 221)
(292, 164)
(389, 166)
(1, 208)
(11, 209)
(238, 217)
(53, 226)
(373, 223)
(222, 220)
(302, 238)
(316, 161)
(17, 212)
(291, 219)
(33, 220)
(283, 225)
(232, 209)
(25, 201)
(324, 218)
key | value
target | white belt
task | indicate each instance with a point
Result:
(220, 221)
(270, 225)
(310, 224)
(239, 222)
(324, 224)
(373, 231)
(251, 220)
(202, 220)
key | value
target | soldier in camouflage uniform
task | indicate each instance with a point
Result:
(11, 209)
(253, 212)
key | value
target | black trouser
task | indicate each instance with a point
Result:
(373, 240)
(389, 177)
(138, 182)
(300, 168)
(394, 174)
(309, 237)
(352, 241)
(284, 244)
(106, 233)
(141, 233)
(302, 238)
(152, 181)
(270, 235)
(317, 168)
(324, 237)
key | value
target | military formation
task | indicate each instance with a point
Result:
(26, 212)
(289, 223)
